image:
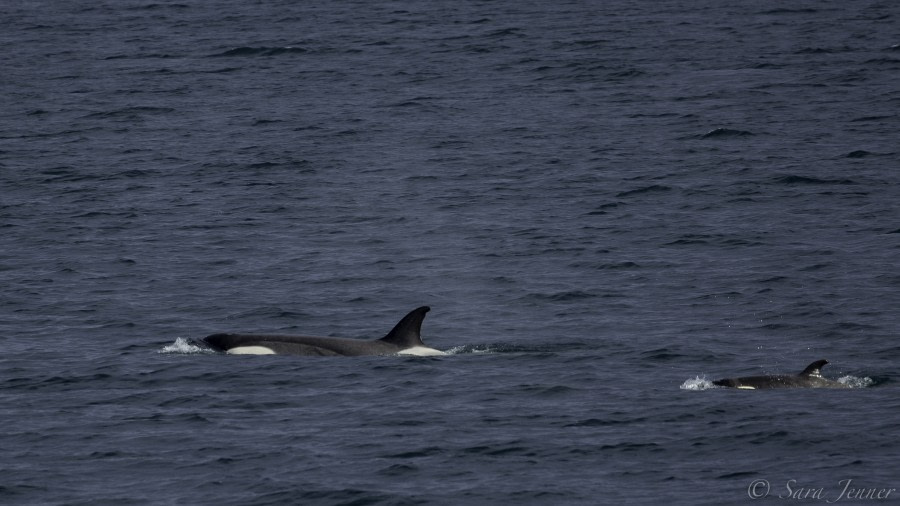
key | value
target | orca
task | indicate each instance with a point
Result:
(403, 339)
(811, 377)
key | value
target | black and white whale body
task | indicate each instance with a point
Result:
(811, 377)
(404, 339)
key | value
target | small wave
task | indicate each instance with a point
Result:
(183, 346)
(815, 50)
(561, 296)
(859, 153)
(131, 112)
(517, 32)
(626, 73)
(661, 354)
(790, 11)
(262, 51)
(656, 188)
(725, 132)
(871, 118)
(883, 61)
(697, 383)
(799, 180)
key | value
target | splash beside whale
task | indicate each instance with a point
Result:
(404, 339)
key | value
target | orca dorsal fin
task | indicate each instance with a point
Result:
(813, 369)
(407, 333)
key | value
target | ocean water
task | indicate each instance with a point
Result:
(606, 204)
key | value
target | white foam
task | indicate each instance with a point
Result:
(856, 382)
(251, 350)
(473, 349)
(421, 351)
(456, 350)
(183, 347)
(697, 383)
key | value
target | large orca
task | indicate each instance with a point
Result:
(404, 339)
(811, 377)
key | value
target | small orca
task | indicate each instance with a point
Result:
(811, 377)
(404, 339)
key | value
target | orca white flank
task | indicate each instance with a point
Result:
(404, 339)
(250, 350)
(421, 351)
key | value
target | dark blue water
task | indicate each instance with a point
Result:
(606, 204)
